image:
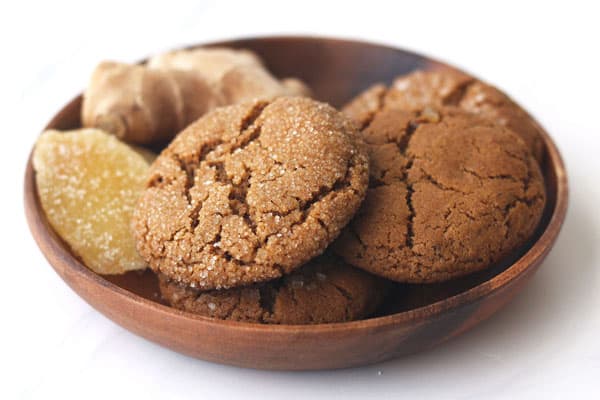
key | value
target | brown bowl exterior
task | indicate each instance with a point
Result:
(337, 70)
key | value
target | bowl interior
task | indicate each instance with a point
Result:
(337, 70)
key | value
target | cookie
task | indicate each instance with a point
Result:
(324, 290)
(450, 193)
(251, 192)
(449, 88)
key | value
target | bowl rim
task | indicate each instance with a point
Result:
(44, 235)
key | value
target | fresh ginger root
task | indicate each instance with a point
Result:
(145, 104)
(212, 63)
(142, 105)
(246, 83)
(239, 75)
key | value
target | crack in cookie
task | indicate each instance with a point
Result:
(451, 88)
(420, 89)
(450, 193)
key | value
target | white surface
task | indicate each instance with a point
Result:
(543, 345)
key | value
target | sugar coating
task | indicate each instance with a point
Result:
(88, 183)
(324, 290)
(450, 192)
(250, 192)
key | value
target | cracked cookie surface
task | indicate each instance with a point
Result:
(322, 291)
(250, 192)
(419, 89)
(450, 193)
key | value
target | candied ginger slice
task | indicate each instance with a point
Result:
(88, 183)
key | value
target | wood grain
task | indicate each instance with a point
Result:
(420, 316)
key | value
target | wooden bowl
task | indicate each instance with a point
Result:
(418, 317)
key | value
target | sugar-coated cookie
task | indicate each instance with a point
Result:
(251, 192)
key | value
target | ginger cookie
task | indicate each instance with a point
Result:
(450, 193)
(419, 89)
(322, 291)
(251, 192)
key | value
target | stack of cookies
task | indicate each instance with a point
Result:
(285, 210)
(241, 205)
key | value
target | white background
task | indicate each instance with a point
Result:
(546, 344)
